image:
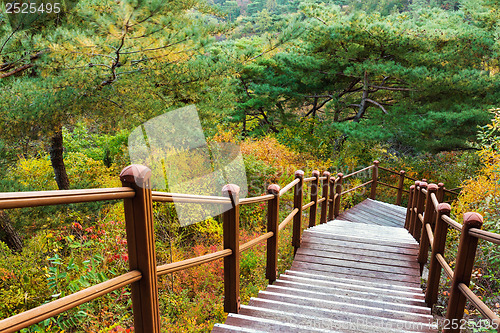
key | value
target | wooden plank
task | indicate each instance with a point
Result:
(400, 209)
(223, 328)
(286, 313)
(376, 267)
(365, 226)
(349, 216)
(358, 258)
(355, 282)
(379, 217)
(355, 238)
(339, 241)
(268, 325)
(382, 208)
(354, 230)
(374, 255)
(360, 274)
(345, 289)
(350, 299)
(349, 308)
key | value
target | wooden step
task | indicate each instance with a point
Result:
(223, 328)
(325, 249)
(340, 241)
(268, 325)
(362, 238)
(354, 229)
(354, 256)
(336, 291)
(341, 316)
(350, 299)
(356, 281)
(347, 308)
(322, 322)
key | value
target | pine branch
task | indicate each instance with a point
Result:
(377, 104)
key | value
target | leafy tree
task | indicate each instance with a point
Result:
(105, 61)
(421, 80)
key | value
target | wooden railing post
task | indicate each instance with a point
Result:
(314, 197)
(324, 204)
(409, 209)
(338, 194)
(231, 226)
(463, 270)
(141, 248)
(373, 191)
(440, 233)
(420, 210)
(416, 193)
(428, 215)
(298, 199)
(440, 192)
(331, 200)
(272, 226)
(400, 187)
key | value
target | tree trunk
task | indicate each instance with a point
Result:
(11, 238)
(56, 158)
(363, 105)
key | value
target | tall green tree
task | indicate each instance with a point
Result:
(421, 79)
(107, 62)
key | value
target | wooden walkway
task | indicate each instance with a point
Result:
(358, 273)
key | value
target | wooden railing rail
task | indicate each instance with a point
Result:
(424, 207)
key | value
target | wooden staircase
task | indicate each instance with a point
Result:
(358, 273)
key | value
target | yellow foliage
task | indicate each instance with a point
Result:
(481, 194)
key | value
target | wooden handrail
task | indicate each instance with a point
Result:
(289, 186)
(358, 171)
(485, 235)
(424, 212)
(184, 264)
(357, 187)
(290, 216)
(10, 200)
(187, 198)
(262, 198)
(452, 223)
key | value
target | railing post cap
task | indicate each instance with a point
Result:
(135, 173)
(299, 174)
(315, 173)
(424, 180)
(326, 173)
(376, 162)
(273, 189)
(231, 188)
(412, 187)
(441, 185)
(473, 219)
(417, 183)
(402, 172)
(444, 208)
(432, 187)
(340, 175)
(423, 185)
